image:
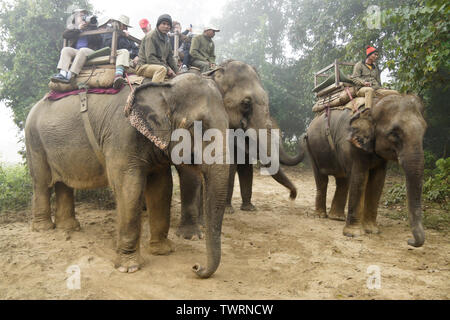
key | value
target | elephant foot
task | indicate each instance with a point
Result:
(371, 228)
(42, 225)
(353, 231)
(336, 216)
(248, 207)
(69, 224)
(128, 263)
(161, 247)
(229, 209)
(321, 213)
(189, 232)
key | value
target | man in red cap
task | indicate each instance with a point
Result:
(366, 76)
(145, 25)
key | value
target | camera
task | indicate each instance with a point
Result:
(92, 20)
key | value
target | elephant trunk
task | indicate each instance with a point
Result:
(287, 160)
(215, 182)
(413, 165)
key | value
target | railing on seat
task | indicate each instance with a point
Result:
(337, 74)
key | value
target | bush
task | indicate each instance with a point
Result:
(436, 187)
(15, 187)
(395, 195)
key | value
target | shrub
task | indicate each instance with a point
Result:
(436, 187)
(395, 194)
(15, 187)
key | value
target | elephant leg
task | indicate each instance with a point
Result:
(158, 197)
(372, 197)
(245, 174)
(65, 208)
(128, 188)
(339, 200)
(228, 207)
(358, 183)
(191, 208)
(321, 192)
(42, 220)
(282, 179)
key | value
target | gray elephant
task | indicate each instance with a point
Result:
(131, 155)
(357, 154)
(247, 105)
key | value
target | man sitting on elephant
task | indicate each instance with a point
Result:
(126, 49)
(155, 53)
(202, 50)
(366, 76)
(79, 47)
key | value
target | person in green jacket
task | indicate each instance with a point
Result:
(202, 50)
(156, 59)
(366, 77)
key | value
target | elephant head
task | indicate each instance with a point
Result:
(157, 110)
(394, 129)
(246, 101)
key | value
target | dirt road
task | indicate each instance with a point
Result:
(282, 251)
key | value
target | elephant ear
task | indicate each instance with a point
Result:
(362, 131)
(148, 109)
(217, 75)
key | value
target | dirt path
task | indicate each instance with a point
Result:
(281, 251)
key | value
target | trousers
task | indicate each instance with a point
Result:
(79, 57)
(155, 71)
(369, 92)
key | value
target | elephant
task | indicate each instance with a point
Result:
(355, 149)
(132, 155)
(247, 106)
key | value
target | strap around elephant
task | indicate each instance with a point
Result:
(88, 127)
(327, 129)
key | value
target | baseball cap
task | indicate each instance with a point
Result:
(143, 23)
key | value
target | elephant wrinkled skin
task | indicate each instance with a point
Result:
(60, 155)
(363, 143)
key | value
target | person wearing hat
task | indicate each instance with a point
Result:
(202, 50)
(155, 53)
(366, 77)
(73, 57)
(126, 49)
(145, 26)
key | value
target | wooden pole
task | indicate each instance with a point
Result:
(176, 41)
(115, 35)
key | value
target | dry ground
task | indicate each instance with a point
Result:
(282, 251)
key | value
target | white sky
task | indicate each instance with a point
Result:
(195, 12)
(9, 137)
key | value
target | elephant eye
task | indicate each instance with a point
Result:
(395, 132)
(151, 117)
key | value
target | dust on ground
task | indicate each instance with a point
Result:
(282, 251)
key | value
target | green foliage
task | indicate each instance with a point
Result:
(396, 194)
(15, 187)
(30, 43)
(422, 39)
(436, 188)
